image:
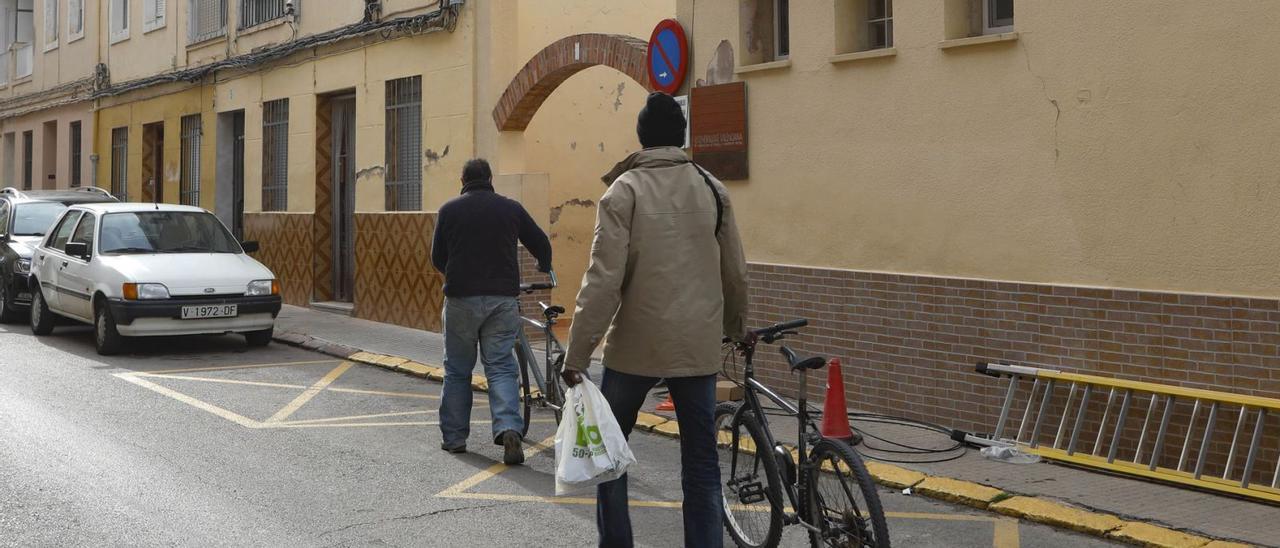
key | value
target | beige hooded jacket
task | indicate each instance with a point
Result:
(662, 282)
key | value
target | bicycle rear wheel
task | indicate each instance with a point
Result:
(749, 480)
(555, 386)
(523, 357)
(843, 501)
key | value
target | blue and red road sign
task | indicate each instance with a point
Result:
(668, 56)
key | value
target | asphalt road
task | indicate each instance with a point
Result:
(199, 441)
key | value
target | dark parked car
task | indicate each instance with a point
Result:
(25, 217)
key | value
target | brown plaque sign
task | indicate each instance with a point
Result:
(718, 129)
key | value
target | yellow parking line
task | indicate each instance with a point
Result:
(381, 393)
(361, 417)
(233, 417)
(223, 381)
(362, 424)
(306, 396)
(458, 488)
(1006, 534)
(230, 367)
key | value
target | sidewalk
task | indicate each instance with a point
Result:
(1030, 486)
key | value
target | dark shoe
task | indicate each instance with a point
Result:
(512, 448)
(455, 449)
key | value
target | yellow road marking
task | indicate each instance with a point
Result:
(381, 393)
(1006, 534)
(366, 424)
(230, 367)
(233, 417)
(361, 417)
(306, 396)
(494, 470)
(223, 381)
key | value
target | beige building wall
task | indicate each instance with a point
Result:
(1109, 144)
(585, 126)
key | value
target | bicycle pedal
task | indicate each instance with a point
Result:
(751, 493)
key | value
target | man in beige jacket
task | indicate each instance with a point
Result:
(667, 281)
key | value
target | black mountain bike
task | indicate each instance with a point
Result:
(829, 492)
(540, 381)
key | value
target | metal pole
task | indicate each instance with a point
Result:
(1084, 407)
(1124, 414)
(1102, 426)
(1186, 442)
(1004, 411)
(1066, 412)
(1026, 414)
(1164, 429)
(1142, 438)
(1044, 405)
(1208, 436)
(1235, 438)
(1253, 448)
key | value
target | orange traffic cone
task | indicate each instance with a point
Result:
(668, 405)
(835, 414)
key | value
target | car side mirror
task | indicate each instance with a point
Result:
(77, 249)
(250, 247)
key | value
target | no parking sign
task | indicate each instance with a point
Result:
(668, 56)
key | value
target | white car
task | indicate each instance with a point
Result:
(137, 270)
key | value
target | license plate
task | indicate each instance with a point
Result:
(199, 312)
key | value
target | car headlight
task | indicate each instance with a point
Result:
(262, 288)
(23, 266)
(145, 292)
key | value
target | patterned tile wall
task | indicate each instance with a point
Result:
(395, 282)
(286, 248)
(323, 224)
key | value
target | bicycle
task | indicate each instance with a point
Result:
(549, 393)
(822, 492)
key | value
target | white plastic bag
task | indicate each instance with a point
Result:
(590, 447)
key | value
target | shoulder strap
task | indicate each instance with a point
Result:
(714, 193)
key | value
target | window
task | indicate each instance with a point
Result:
(275, 155)
(879, 24)
(782, 29)
(76, 147)
(63, 233)
(28, 142)
(148, 232)
(34, 218)
(997, 16)
(257, 12)
(50, 24)
(75, 20)
(208, 20)
(24, 37)
(153, 14)
(190, 179)
(404, 144)
(119, 20)
(120, 163)
(84, 231)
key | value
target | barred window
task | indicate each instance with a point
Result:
(275, 155)
(120, 163)
(208, 19)
(404, 144)
(189, 185)
(76, 150)
(257, 12)
(28, 142)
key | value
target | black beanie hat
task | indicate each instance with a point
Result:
(661, 122)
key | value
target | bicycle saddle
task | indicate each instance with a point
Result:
(812, 362)
(556, 310)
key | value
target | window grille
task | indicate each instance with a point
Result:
(120, 163)
(275, 155)
(189, 185)
(208, 20)
(257, 12)
(404, 144)
(76, 150)
(28, 142)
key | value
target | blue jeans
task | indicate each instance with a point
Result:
(490, 323)
(695, 399)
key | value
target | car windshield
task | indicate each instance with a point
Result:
(164, 232)
(34, 219)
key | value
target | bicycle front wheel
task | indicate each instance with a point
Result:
(526, 392)
(749, 480)
(843, 501)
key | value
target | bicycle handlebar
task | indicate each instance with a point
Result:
(539, 286)
(781, 327)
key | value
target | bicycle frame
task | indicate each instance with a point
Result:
(551, 348)
(796, 487)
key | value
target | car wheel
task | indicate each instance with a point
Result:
(41, 318)
(105, 336)
(7, 312)
(258, 339)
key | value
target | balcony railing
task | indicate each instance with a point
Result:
(208, 20)
(257, 12)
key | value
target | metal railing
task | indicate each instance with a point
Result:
(207, 20)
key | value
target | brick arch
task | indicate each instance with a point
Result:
(560, 60)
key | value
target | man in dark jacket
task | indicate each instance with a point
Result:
(475, 248)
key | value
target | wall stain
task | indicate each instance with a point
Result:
(617, 97)
(573, 145)
(371, 172)
(433, 156)
(557, 210)
(601, 146)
